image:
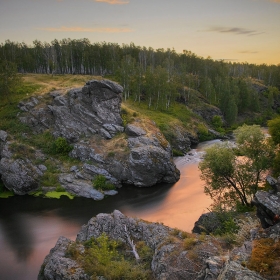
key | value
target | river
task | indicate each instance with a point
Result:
(30, 227)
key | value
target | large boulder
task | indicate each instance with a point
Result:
(93, 109)
(18, 175)
(268, 208)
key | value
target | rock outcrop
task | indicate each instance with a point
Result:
(89, 119)
(175, 256)
(18, 175)
(268, 204)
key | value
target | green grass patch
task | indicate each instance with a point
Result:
(6, 194)
(57, 195)
(112, 259)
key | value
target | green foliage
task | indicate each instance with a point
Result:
(100, 183)
(105, 257)
(274, 129)
(203, 133)
(189, 243)
(59, 189)
(233, 175)
(177, 153)
(61, 146)
(57, 195)
(217, 122)
(9, 79)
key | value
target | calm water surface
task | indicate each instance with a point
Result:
(30, 227)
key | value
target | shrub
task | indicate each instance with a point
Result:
(189, 243)
(203, 133)
(102, 257)
(265, 257)
(61, 146)
(100, 183)
(177, 153)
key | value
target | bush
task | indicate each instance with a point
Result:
(102, 257)
(100, 183)
(203, 133)
(265, 257)
(177, 153)
(61, 146)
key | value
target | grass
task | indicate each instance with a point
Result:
(6, 194)
(52, 194)
(55, 194)
(265, 258)
(179, 117)
(112, 259)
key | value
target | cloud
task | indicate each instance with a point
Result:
(83, 29)
(275, 1)
(248, 52)
(235, 30)
(114, 2)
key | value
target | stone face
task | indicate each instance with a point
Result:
(57, 266)
(207, 223)
(236, 271)
(132, 130)
(95, 108)
(19, 176)
(3, 135)
(268, 208)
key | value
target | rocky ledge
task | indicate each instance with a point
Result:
(89, 118)
(174, 254)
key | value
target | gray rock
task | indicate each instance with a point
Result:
(19, 176)
(236, 271)
(57, 266)
(82, 112)
(111, 192)
(268, 208)
(42, 167)
(74, 168)
(207, 223)
(79, 187)
(3, 135)
(85, 153)
(132, 130)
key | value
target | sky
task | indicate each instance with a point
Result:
(232, 30)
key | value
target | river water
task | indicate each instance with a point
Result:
(30, 227)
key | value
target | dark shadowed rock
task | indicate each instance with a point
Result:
(268, 208)
(207, 223)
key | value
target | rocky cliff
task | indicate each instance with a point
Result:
(89, 118)
(174, 254)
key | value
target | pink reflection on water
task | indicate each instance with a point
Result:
(183, 203)
(44, 231)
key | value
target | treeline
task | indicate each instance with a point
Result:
(157, 77)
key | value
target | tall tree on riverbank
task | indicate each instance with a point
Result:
(232, 175)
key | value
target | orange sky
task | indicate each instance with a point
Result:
(235, 30)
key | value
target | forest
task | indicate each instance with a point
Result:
(158, 77)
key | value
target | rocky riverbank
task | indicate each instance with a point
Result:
(90, 121)
(169, 253)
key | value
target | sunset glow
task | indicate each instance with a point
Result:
(241, 31)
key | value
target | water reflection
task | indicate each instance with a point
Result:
(30, 227)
